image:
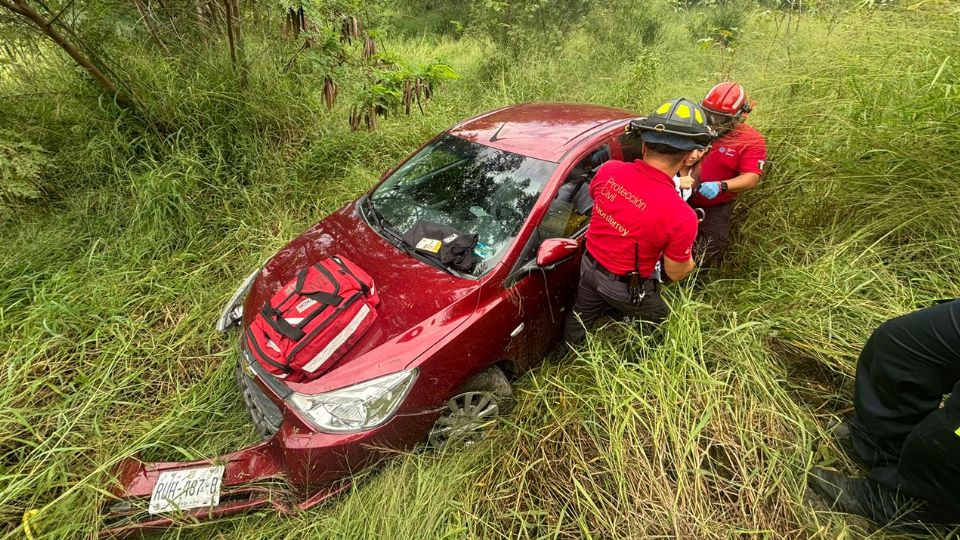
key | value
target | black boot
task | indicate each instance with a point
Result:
(865, 497)
(844, 439)
(837, 490)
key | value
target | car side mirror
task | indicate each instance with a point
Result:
(554, 251)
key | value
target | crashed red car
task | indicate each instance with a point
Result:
(436, 366)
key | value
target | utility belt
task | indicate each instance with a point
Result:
(633, 279)
(610, 274)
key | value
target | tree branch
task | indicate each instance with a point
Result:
(12, 7)
(22, 8)
(62, 11)
(144, 12)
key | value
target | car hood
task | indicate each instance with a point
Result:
(419, 304)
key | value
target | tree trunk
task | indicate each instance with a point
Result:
(22, 8)
(236, 41)
(228, 7)
(235, 4)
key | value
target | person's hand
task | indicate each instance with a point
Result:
(710, 190)
(686, 182)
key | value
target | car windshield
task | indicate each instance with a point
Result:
(473, 188)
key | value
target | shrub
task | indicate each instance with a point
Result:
(720, 25)
(21, 166)
(519, 25)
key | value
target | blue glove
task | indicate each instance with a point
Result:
(710, 190)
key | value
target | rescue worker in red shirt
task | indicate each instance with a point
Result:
(733, 165)
(638, 219)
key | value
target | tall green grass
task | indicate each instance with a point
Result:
(109, 288)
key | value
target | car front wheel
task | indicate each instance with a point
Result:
(473, 412)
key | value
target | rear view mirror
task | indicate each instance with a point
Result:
(555, 251)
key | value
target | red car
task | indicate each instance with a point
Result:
(438, 362)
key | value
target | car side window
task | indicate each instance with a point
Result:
(631, 146)
(570, 209)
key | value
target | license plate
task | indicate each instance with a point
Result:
(186, 488)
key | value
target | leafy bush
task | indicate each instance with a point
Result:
(636, 25)
(720, 25)
(21, 167)
(519, 25)
(430, 17)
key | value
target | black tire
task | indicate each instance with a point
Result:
(473, 410)
(495, 381)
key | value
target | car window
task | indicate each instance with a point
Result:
(473, 188)
(570, 208)
(631, 146)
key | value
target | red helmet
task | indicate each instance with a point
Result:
(726, 98)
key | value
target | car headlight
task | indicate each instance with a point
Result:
(356, 408)
(233, 311)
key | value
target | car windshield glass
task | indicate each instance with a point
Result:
(473, 188)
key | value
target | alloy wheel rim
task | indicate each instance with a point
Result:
(467, 418)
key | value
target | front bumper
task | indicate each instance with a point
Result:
(253, 480)
(293, 469)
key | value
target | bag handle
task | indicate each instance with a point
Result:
(276, 320)
(363, 286)
(301, 278)
(325, 298)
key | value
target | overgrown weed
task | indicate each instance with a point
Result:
(109, 287)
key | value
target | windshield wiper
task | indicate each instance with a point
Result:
(397, 239)
(379, 222)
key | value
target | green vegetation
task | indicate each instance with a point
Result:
(126, 227)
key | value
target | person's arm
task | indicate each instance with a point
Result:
(678, 255)
(750, 167)
(744, 182)
(677, 270)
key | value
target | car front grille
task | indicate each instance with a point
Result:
(266, 415)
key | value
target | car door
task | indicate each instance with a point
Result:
(543, 297)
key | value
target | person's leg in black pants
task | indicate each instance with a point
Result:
(712, 233)
(599, 292)
(929, 466)
(588, 307)
(910, 442)
(904, 370)
(923, 486)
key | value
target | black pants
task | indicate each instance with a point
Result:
(712, 233)
(904, 370)
(599, 292)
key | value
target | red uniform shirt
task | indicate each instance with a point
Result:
(636, 206)
(740, 151)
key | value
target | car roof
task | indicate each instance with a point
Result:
(541, 130)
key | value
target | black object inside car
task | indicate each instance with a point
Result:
(444, 243)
